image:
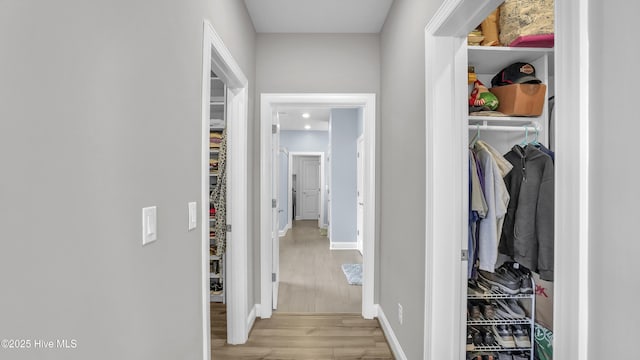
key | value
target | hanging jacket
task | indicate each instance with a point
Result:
(497, 198)
(527, 234)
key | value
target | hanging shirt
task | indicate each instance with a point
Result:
(497, 199)
(477, 211)
(528, 229)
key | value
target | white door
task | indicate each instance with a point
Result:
(360, 195)
(275, 239)
(310, 187)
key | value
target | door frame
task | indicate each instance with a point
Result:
(268, 102)
(359, 177)
(216, 57)
(445, 60)
(293, 154)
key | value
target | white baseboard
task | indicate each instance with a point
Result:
(398, 353)
(343, 246)
(251, 319)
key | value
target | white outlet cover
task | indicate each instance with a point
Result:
(193, 215)
(149, 225)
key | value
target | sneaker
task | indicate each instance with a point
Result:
(488, 311)
(504, 336)
(476, 335)
(470, 345)
(489, 356)
(521, 336)
(489, 339)
(501, 279)
(526, 285)
(509, 308)
(474, 311)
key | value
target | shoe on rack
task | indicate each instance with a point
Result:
(489, 356)
(504, 336)
(474, 356)
(489, 339)
(521, 336)
(526, 285)
(470, 345)
(488, 310)
(474, 311)
(509, 308)
(476, 289)
(502, 279)
(476, 335)
(521, 356)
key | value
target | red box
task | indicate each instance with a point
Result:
(521, 99)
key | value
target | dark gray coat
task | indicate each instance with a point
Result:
(527, 233)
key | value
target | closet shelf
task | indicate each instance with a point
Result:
(503, 120)
(491, 59)
(214, 276)
(498, 320)
(498, 348)
(496, 295)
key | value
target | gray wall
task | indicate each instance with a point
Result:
(403, 170)
(100, 117)
(343, 187)
(312, 63)
(614, 189)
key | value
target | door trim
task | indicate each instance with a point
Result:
(216, 56)
(292, 154)
(445, 62)
(368, 103)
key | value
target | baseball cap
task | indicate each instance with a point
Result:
(516, 73)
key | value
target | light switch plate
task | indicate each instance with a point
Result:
(193, 215)
(149, 225)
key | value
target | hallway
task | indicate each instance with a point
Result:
(302, 336)
(311, 277)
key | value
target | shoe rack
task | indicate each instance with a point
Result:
(494, 294)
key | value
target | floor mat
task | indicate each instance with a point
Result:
(353, 272)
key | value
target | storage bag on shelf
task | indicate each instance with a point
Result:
(521, 18)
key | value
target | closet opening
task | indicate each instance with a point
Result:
(477, 310)
(224, 203)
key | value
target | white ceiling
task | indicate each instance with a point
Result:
(291, 118)
(318, 16)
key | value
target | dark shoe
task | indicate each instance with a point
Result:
(509, 308)
(504, 336)
(489, 356)
(526, 285)
(477, 337)
(474, 311)
(489, 339)
(502, 279)
(521, 336)
(488, 311)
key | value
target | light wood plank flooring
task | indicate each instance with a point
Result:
(311, 277)
(302, 336)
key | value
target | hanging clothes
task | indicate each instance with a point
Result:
(497, 198)
(527, 234)
(219, 198)
(477, 210)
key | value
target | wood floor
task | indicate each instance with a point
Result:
(311, 277)
(301, 337)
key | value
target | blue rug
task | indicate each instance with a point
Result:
(353, 272)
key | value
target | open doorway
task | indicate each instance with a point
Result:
(224, 111)
(270, 124)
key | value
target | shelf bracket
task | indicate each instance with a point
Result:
(464, 255)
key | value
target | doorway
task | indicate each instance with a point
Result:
(306, 181)
(446, 65)
(268, 103)
(217, 59)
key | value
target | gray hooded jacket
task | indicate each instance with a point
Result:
(527, 233)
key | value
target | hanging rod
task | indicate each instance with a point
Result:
(514, 128)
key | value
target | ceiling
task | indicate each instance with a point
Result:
(318, 16)
(291, 118)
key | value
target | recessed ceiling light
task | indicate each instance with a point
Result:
(307, 127)
(306, 115)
